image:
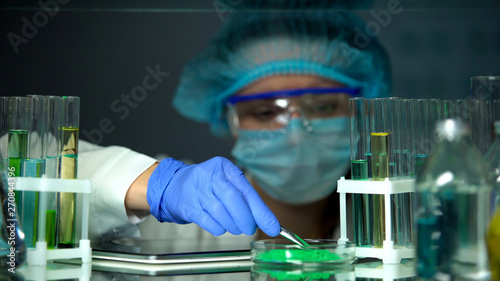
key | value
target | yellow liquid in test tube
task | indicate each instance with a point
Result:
(380, 171)
(494, 246)
(67, 200)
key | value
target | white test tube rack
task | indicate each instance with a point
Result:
(57, 271)
(388, 253)
(385, 272)
(39, 255)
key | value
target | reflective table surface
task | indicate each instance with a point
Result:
(145, 260)
(220, 270)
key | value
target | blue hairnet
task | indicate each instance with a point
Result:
(254, 45)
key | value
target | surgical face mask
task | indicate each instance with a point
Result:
(300, 164)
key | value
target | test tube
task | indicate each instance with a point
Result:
(18, 134)
(4, 130)
(379, 144)
(52, 152)
(394, 112)
(69, 134)
(53, 112)
(422, 127)
(380, 131)
(33, 166)
(496, 109)
(435, 116)
(17, 150)
(448, 109)
(399, 212)
(359, 141)
(484, 89)
(359, 170)
(407, 137)
(12, 235)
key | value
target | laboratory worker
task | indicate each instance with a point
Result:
(279, 84)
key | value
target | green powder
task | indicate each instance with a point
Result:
(285, 275)
(284, 255)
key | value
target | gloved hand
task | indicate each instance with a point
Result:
(214, 194)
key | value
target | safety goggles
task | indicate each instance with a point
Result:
(273, 110)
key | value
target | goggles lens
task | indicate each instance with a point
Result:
(272, 111)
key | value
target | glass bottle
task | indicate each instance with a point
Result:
(453, 208)
(492, 158)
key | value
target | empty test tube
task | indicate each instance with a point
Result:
(394, 119)
(407, 137)
(422, 125)
(405, 234)
(485, 90)
(435, 115)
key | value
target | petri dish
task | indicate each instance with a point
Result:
(265, 273)
(320, 253)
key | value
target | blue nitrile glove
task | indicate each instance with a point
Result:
(214, 194)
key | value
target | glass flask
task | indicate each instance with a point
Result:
(453, 208)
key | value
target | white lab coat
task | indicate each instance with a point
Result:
(111, 170)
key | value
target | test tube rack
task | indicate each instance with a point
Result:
(386, 272)
(388, 253)
(57, 271)
(40, 254)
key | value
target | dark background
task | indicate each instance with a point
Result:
(101, 55)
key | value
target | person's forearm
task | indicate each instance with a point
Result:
(135, 199)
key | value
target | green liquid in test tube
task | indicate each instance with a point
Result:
(359, 169)
(17, 144)
(361, 206)
(52, 154)
(4, 130)
(50, 229)
(17, 151)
